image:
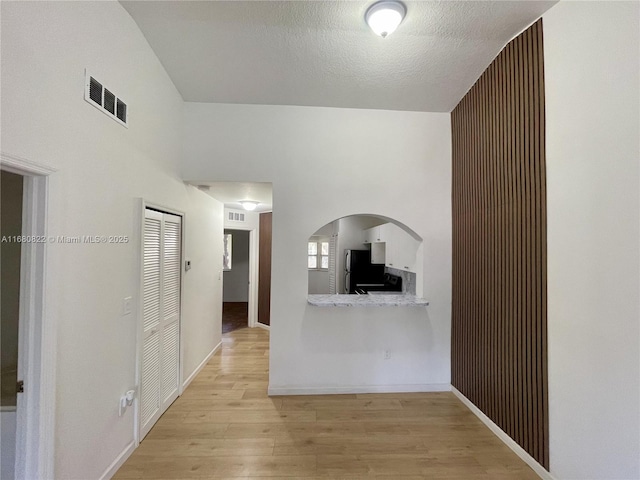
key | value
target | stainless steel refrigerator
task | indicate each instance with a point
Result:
(358, 270)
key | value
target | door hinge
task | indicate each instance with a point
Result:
(20, 386)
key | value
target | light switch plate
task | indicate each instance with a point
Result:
(126, 306)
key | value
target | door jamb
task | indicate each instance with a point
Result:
(253, 277)
(35, 435)
(253, 271)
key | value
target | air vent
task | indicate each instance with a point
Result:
(102, 98)
(109, 102)
(95, 91)
(121, 110)
(236, 217)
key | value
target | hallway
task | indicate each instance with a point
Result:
(235, 315)
(225, 426)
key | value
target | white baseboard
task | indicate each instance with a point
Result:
(262, 325)
(186, 383)
(411, 388)
(126, 453)
(506, 439)
(118, 462)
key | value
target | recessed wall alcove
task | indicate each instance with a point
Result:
(365, 253)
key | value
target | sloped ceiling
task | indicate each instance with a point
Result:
(322, 53)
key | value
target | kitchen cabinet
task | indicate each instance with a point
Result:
(401, 251)
(378, 253)
(392, 246)
(372, 235)
(381, 233)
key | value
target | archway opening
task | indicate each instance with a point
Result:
(364, 253)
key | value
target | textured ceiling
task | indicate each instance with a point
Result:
(231, 193)
(322, 53)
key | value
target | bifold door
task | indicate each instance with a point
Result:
(159, 385)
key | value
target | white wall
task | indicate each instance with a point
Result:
(103, 170)
(319, 282)
(327, 163)
(236, 281)
(592, 78)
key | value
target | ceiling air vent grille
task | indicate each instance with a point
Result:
(121, 110)
(109, 102)
(100, 97)
(236, 217)
(95, 91)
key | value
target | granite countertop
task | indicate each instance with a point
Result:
(377, 300)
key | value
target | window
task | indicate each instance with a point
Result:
(226, 252)
(318, 255)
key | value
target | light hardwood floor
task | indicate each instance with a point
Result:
(225, 426)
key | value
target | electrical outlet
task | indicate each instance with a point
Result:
(126, 401)
(387, 354)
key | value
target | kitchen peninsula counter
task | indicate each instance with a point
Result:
(373, 300)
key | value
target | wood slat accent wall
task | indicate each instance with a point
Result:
(499, 330)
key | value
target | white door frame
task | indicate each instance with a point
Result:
(253, 277)
(35, 435)
(143, 205)
(253, 271)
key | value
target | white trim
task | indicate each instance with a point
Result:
(138, 321)
(119, 461)
(506, 439)
(254, 235)
(261, 325)
(201, 366)
(253, 277)
(326, 390)
(161, 208)
(22, 166)
(35, 433)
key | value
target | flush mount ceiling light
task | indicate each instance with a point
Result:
(384, 17)
(249, 205)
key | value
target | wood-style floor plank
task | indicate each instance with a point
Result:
(225, 426)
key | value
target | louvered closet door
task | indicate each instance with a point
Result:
(170, 363)
(333, 242)
(161, 316)
(151, 289)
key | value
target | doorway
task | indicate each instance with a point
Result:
(28, 342)
(235, 284)
(247, 208)
(11, 192)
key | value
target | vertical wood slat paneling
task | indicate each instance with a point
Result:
(499, 344)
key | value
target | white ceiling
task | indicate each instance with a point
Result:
(231, 193)
(322, 53)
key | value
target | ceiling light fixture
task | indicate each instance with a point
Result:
(384, 17)
(249, 205)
